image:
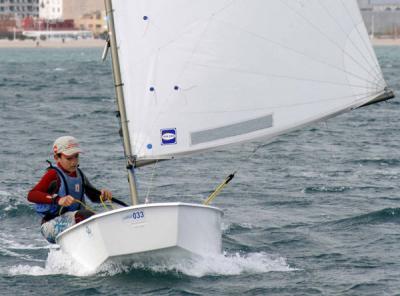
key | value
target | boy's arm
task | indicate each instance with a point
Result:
(91, 191)
(47, 186)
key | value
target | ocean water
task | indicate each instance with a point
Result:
(316, 212)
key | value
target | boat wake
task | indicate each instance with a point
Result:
(224, 264)
(217, 265)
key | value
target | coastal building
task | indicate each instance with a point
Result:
(75, 9)
(94, 22)
(381, 17)
(51, 9)
(19, 9)
(365, 4)
(379, 5)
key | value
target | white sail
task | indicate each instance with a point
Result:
(200, 74)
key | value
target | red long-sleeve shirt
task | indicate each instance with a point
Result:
(50, 184)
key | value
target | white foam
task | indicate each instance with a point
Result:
(7, 241)
(57, 263)
(234, 264)
(224, 264)
(4, 193)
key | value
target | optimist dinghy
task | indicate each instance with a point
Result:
(194, 75)
(159, 230)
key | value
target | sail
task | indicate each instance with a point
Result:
(201, 74)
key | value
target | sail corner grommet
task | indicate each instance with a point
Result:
(152, 88)
(145, 17)
(176, 87)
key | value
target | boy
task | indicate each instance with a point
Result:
(60, 194)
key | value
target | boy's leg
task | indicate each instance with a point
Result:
(57, 225)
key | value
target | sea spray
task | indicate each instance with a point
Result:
(226, 264)
(57, 263)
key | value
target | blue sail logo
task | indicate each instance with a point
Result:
(168, 136)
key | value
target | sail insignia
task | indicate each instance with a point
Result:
(231, 130)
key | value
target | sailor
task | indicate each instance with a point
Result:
(59, 196)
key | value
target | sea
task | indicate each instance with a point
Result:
(315, 212)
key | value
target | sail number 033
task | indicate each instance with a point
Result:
(138, 215)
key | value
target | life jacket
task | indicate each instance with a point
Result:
(73, 186)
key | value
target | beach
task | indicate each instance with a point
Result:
(385, 42)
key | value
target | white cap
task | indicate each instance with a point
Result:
(66, 145)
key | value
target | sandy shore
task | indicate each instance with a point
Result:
(83, 43)
(100, 43)
(386, 42)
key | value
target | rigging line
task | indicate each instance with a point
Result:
(373, 65)
(368, 47)
(299, 53)
(327, 37)
(282, 76)
(151, 183)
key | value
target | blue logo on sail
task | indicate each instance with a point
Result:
(168, 136)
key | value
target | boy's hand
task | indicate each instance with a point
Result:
(105, 194)
(66, 201)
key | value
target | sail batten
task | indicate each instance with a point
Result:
(203, 74)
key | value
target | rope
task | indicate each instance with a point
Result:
(151, 183)
(78, 201)
(102, 202)
(89, 209)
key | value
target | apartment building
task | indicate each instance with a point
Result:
(19, 8)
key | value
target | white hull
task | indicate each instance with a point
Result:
(144, 231)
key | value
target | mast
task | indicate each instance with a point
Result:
(130, 159)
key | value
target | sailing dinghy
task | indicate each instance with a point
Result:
(193, 75)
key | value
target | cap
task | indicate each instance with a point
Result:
(66, 145)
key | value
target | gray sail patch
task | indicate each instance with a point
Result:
(232, 130)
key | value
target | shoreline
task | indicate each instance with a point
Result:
(81, 43)
(99, 43)
(385, 42)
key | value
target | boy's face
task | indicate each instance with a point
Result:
(69, 162)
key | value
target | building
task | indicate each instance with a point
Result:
(75, 9)
(51, 9)
(381, 17)
(19, 8)
(379, 5)
(365, 4)
(94, 22)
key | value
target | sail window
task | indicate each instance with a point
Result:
(232, 130)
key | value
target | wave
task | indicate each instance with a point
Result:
(86, 98)
(225, 264)
(376, 162)
(235, 228)
(388, 215)
(16, 210)
(331, 189)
